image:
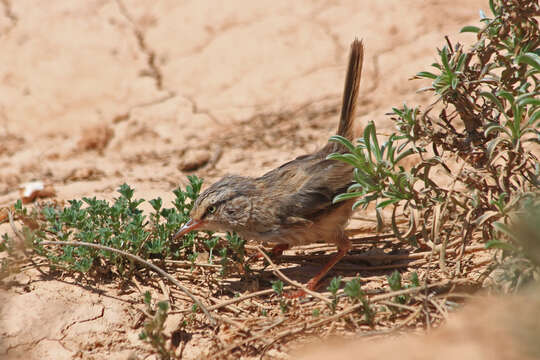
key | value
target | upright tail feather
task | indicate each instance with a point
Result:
(350, 95)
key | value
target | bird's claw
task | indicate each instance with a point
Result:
(311, 285)
(294, 294)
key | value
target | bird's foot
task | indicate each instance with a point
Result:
(276, 251)
(314, 282)
(311, 285)
(294, 294)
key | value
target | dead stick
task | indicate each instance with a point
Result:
(341, 314)
(351, 232)
(239, 299)
(376, 298)
(442, 256)
(188, 264)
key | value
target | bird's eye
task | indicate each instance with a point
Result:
(211, 209)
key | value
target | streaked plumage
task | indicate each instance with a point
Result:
(291, 204)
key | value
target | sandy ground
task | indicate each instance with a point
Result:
(487, 329)
(97, 93)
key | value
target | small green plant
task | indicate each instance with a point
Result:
(120, 224)
(487, 125)
(334, 286)
(519, 242)
(377, 173)
(415, 282)
(152, 332)
(353, 290)
(211, 243)
(233, 252)
(192, 258)
(395, 283)
(277, 286)
(236, 244)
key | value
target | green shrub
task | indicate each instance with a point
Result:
(488, 104)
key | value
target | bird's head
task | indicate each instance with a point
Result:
(224, 206)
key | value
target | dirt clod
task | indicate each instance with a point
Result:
(194, 160)
(95, 138)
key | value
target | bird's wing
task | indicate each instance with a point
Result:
(305, 187)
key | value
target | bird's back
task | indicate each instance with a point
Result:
(298, 195)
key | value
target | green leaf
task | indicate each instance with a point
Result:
(426, 74)
(494, 127)
(163, 305)
(415, 282)
(335, 283)
(494, 100)
(394, 281)
(529, 100)
(347, 196)
(534, 117)
(455, 82)
(353, 289)
(404, 155)
(503, 228)
(147, 297)
(373, 134)
(346, 158)
(444, 59)
(492, 7)
(354, 187)
(156, 203)
(361, 202)
(486, 216)
(343, 141)
(493, 144)
(367, 140)
(505, 94)
(460, 62)
(385, 203)
(126, 191)
(497, 244)
(529, 58)
(472, 29)
(278, 287)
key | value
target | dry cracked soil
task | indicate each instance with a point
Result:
(101, 92)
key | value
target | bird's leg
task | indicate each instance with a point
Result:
(344, 245)
(279, 249)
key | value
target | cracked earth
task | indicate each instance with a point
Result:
(97, 93)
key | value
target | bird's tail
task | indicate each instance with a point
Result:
(350, 95)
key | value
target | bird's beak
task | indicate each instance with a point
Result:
(189, 226)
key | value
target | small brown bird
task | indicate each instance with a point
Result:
(292, 204)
